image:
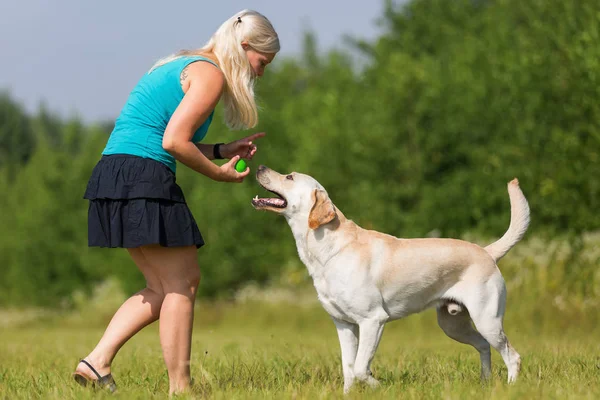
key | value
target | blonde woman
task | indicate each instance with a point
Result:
(134, 201)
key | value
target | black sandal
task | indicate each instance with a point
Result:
(105, 381)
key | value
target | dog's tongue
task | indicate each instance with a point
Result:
(273, 202)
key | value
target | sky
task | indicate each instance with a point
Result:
(82, 58)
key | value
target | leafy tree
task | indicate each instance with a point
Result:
(413, 134)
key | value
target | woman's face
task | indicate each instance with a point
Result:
(258, 60)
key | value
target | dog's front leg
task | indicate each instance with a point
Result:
(370, 335)
(348, 335)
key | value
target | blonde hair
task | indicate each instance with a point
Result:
(225, 44)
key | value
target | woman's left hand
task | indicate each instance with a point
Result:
(245, 147)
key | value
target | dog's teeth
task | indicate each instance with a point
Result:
(256, 197)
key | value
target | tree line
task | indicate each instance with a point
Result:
(415, 133)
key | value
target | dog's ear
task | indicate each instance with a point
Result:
(322, 211)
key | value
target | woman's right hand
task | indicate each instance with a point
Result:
(229, 174)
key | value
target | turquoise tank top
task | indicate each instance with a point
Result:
(140, 126)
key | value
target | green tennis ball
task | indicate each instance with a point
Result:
(240, 166)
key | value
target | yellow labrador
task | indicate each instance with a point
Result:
(365, 278)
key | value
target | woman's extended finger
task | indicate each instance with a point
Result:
(255, 136)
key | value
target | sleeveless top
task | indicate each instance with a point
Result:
(140, 126)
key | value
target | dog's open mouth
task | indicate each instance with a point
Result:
(274, 202)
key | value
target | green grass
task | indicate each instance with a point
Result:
(263, 351)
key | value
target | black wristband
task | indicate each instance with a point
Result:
(217, 152)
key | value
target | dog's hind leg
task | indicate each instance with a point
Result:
(348, 335)
(487, 312)
(459, 327)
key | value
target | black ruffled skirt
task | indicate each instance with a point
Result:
(135, 201)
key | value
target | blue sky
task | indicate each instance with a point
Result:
(83, 57)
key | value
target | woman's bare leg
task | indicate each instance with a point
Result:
(179, 274)
(138, 311)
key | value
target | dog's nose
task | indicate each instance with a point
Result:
(261, 168)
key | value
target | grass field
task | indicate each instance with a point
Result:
(284, 351)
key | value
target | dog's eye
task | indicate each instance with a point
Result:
(290, 177)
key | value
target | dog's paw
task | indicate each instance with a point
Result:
(372, 382)
(367, 378)
(348, 383)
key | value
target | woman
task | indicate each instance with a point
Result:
(135, 202)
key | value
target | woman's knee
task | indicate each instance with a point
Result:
(177, 268)
(194, 276)
(153, 282)
(184, 282)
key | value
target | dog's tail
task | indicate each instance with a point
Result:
(519, 221)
